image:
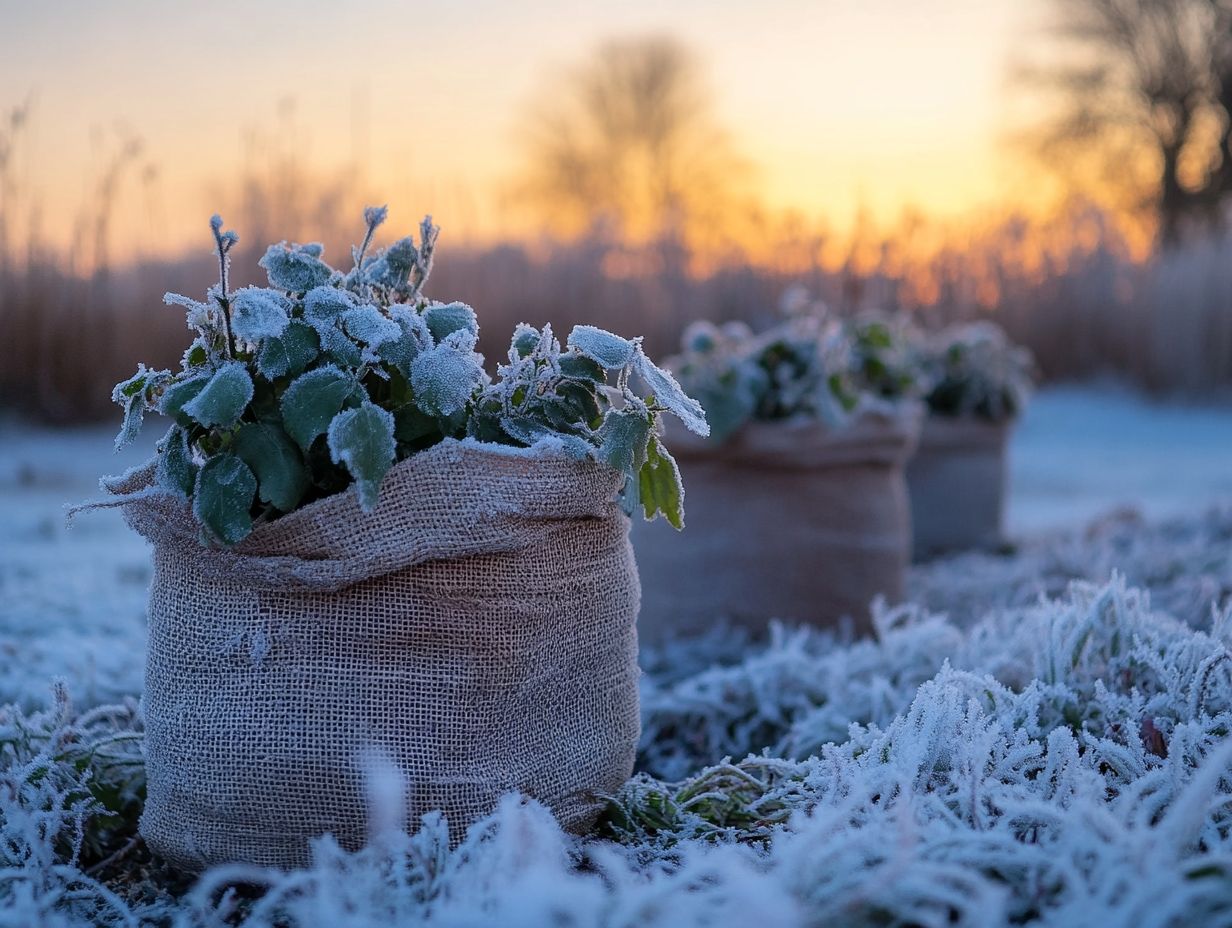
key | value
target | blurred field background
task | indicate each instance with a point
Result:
(1061, 167)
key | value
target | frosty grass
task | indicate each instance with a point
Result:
(1048, 754)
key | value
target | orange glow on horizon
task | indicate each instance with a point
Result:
(848, 116)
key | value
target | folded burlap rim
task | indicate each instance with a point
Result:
(883, 434)
(428, 510)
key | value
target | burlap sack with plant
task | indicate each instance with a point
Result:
(478, 628)
(787, 520)
(957, 484)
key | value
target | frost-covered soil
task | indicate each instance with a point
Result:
(1012, 748)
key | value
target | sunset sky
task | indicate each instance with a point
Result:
(839, 104)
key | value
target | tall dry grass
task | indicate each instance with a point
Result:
(73, 323)
(1080, 301)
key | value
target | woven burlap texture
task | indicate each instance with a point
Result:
(478, 628)
(791, 520)
(957, 484)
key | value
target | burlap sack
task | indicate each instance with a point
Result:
(957, 485)
(478, 628)
(788, 520)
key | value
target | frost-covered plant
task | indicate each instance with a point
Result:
(881, 360)
(1086, 756)
(71, 788)
(806, 366)
(974, 370)
(324, 379)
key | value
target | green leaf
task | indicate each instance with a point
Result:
(175, 470)
(223, 497)
(410, 425)
(612, 351)
(525, 339)
(446, 318)
(224, 398)
(659, 486)
(623, 439)
(312, 400)
(282, 478)
(289, 353)
(135, 395)
(196, 355)
(179, 393)
(363, 441)
(580, 367)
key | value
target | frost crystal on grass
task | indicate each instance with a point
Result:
(1062, 765)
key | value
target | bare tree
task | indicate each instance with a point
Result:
(626, 145)
(1146, 100)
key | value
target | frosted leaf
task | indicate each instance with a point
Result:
(340, 349)
(623, 438)
(296, 268)
(312, 400)
(374, 216)
(223, 496)
(414, 338)
(580, 367)
(363, 441)
(392, 267)
(612, 351)
(176, 470)
(369, 325)
(258, 313)
(668, 393)
(444, 319)
(177, 394)
(126, 389)
(525, 338)
(701, 337)
(201, 317)
(196, 355)
(282, 478)
(290, 353)
(224, 397)
(324, 306)
(529, 431)
(134, 396)
(130, 425)
(445, 377)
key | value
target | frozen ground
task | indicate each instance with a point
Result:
(1081, 452)
(991, 758)
(72, 599)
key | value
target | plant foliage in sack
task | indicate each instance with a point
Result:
(323, 380)
(974, 370)
(370, 555)
(797, 504)
(978, 383)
